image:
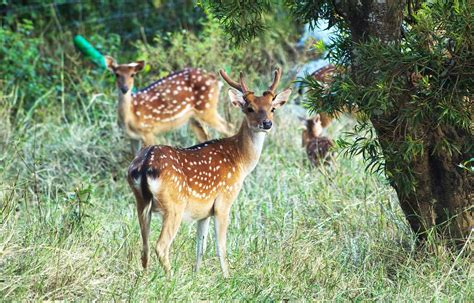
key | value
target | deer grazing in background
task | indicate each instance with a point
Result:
(198, 182)
(317, 146)
(190, 94)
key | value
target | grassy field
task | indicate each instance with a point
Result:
(69, 228)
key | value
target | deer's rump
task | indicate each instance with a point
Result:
(138, 171)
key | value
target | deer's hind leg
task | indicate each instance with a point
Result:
(199, 130)
(148, 139)
(172, 217)
(144, 219)
(214, 120)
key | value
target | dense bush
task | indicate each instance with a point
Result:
(131, 19)
(22, 62)
(212, 49)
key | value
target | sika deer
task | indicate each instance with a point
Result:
(190, 94)
(198, 182)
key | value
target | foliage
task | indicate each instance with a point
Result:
(77, 208)
(311, 11)
(211, 49)
(432, 71)
(411, 84)
(20, 52)
(39, 72)
(174, 51)
(130, 19)
(246, 20)
(33, 53)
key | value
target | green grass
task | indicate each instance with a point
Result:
(69, 228)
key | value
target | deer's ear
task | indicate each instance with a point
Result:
(236, 98)
(110, 63)
(139, 65)
(317, 118)
(281, 98)
(303, 120)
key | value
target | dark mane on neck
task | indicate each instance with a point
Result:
(201, 145)
(162, 79)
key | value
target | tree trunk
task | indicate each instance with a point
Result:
(443, 193)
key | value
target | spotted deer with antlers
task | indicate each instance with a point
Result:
(202, 181)
(191, 94)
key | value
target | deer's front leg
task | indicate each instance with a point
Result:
(221, 222)
(135, 145)
(201, 240)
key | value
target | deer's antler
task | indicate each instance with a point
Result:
(276, 80)
(239, 86)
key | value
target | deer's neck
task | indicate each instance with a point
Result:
(249, 143)
(125, 106)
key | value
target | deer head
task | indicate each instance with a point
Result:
(124, 73)
(313, 129)
(314, 126)
(258, 110)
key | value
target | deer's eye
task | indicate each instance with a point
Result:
(250, 110)
(273, 109)
(116, 74)
(132, 75)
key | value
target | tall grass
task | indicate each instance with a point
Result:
(69, 228)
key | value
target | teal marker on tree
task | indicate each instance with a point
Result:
(89, 51)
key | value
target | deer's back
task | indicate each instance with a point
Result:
(200, 172)
(318, 149)
(174, 96)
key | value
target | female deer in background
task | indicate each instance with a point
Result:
(318, 147)
(190, 94)
(198, 182)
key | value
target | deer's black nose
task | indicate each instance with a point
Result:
(267, 124)
(124, 89)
